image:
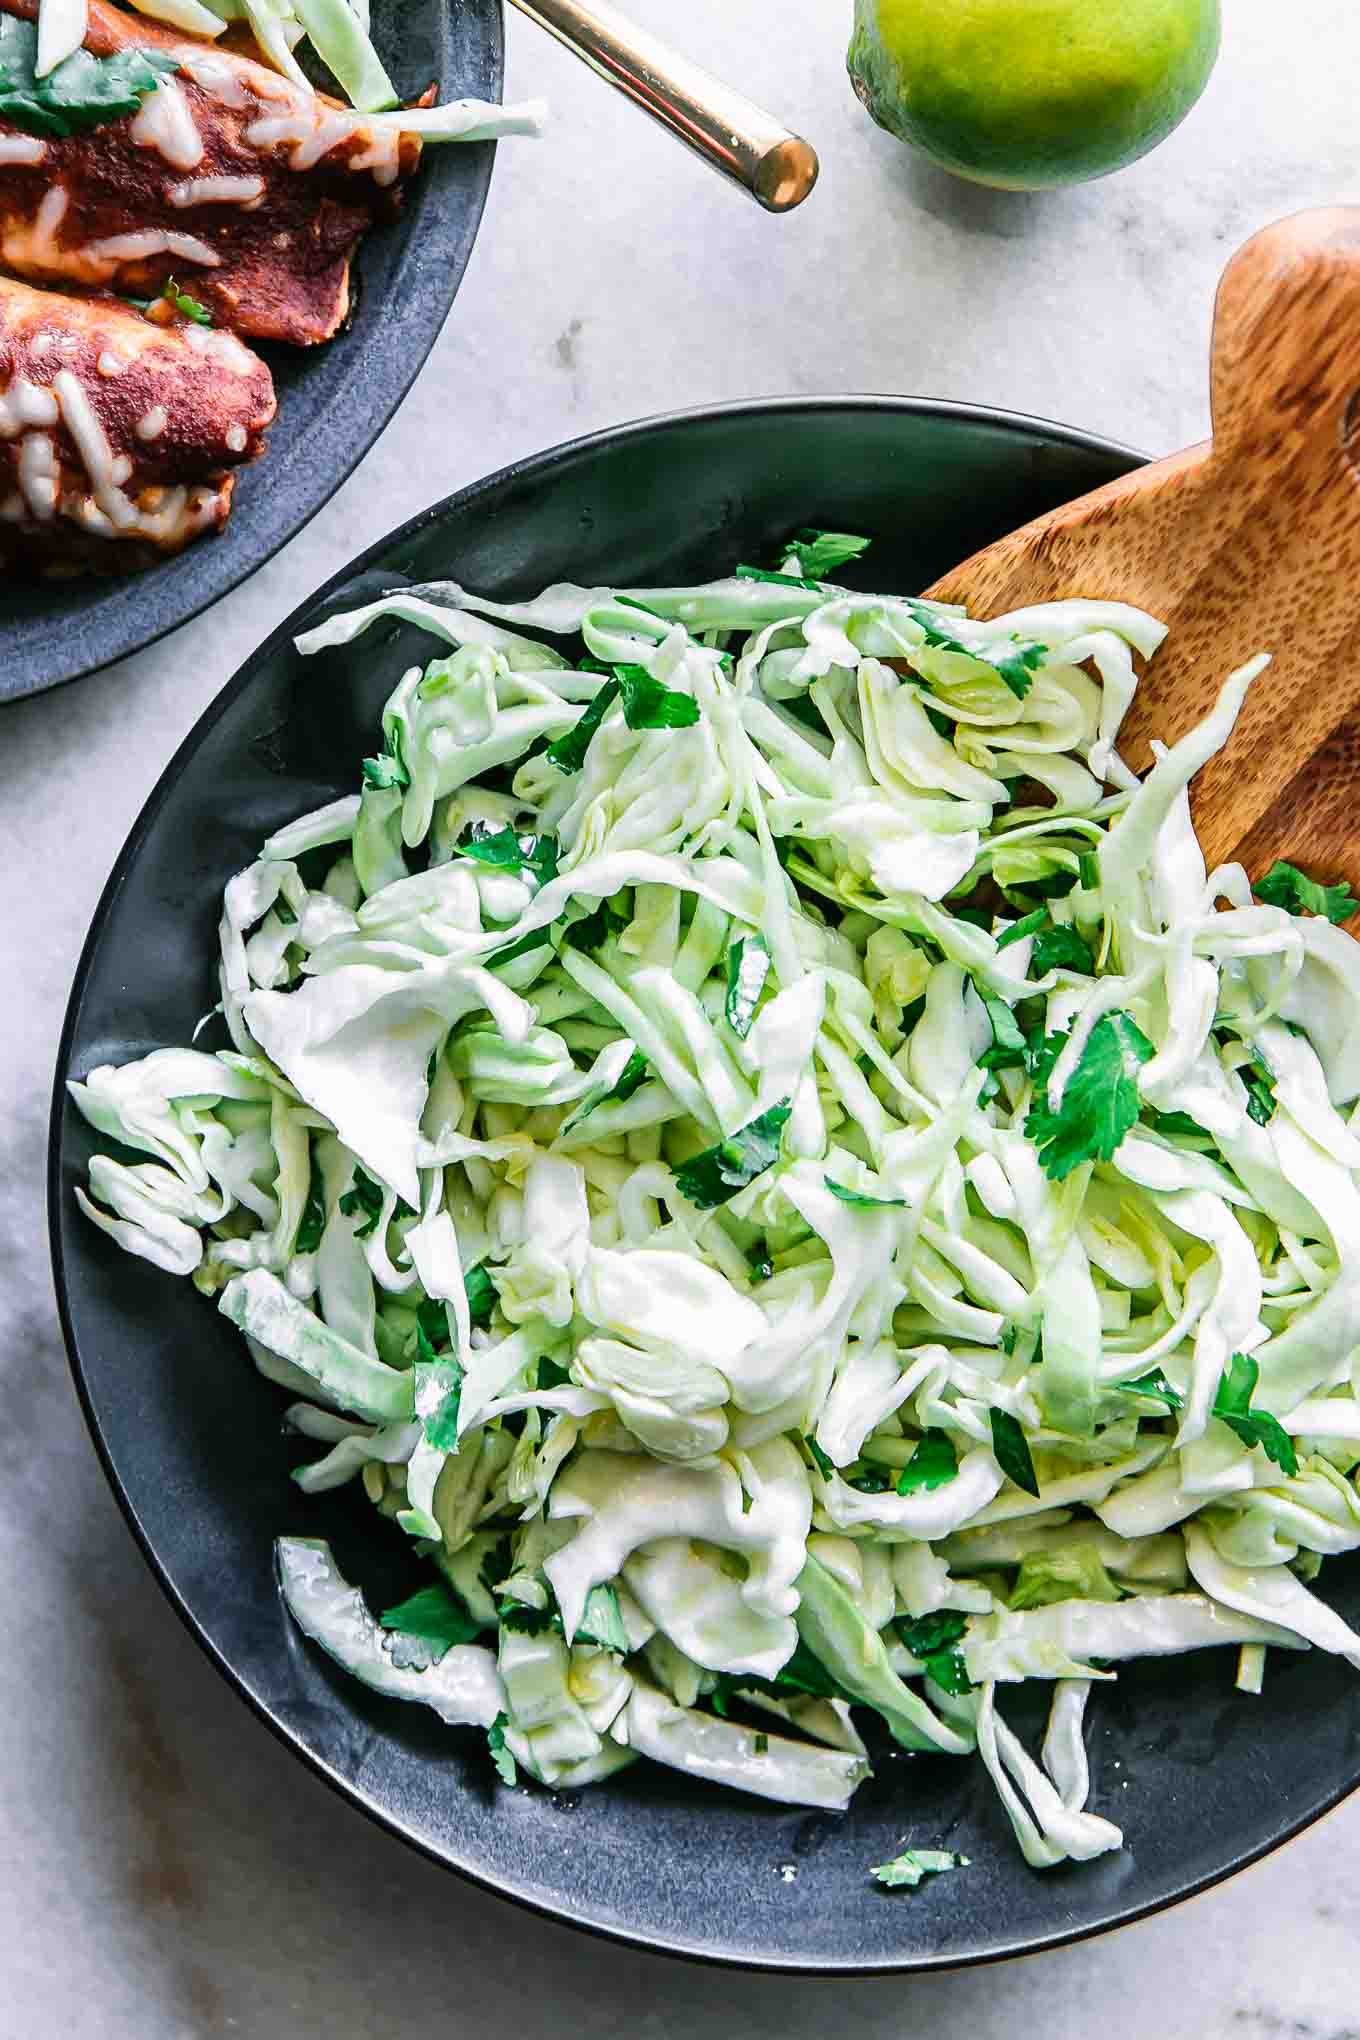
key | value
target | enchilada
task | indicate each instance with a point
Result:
(119, 436)
(253, 193)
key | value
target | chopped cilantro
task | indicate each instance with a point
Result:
(1174, 1123)
(934, 1639)
(861, 1198)
(84, 91)
(712, 1177)
(1012, 1451)
(631, 1078)
(1029, 924)
(1062, 948)
(760, 1743)
(481, 1294)
(1231, 1405)
(437, 1615)
(188, 307)
(759, 1262)
(650, 705)
(366, 1196)
(511, 852)
(779, 580)
(819, 1458)
(568, 753)
(1100, 1102)
(313, 1221)
(748, 966)
(438, 1392)
(501, 1756)
(1259, 1079)
(906, 1871)
(597, 926)
(1284, 885)
(819, 553)
(934, 1462)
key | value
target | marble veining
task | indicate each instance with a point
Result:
(168, 1871)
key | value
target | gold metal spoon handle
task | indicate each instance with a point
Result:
(729, 131)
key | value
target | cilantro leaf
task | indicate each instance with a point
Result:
(748, 966)
(482, 1294)
(820, 1459)
(1259, 1079)
(1100, 1103)
(526, 1619)
(819, 553)
(779, 580)
(867, 1480)
(631, 1078)
(906, 1871)
(313, 1221)
(759, 1262)
(597, 926)
(1017, 668)
(1029, 924)
(366, 1196)
(925, 1634)
(1232, 1405)
(648, 704)
(1012, 1451)
(801, 1673)
(383, 772)
(432, 1323)
(861, 1198)
(1174, 1123)
(188, 307)
(436, 1615)
(712, 1177)
(83, 91)
(602, 1621)
(568, 753)
(934, 1640)
(1284, 885)
(501, 1756)
(1155, 1387)
(511, 852)
(438, 1392)
(934, 1462)
(1062, 948)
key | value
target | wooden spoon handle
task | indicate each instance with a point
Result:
(1251, 543)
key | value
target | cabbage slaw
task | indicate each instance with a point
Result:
(760, 1145)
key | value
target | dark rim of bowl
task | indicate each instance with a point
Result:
(1024, 426)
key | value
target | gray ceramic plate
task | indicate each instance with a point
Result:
(1201, 1778)
(333, 400)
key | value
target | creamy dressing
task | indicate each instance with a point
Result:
(22, 149)
(165, 122)
(216, 191)
(111, 364)
(153, 424)
(25, 404)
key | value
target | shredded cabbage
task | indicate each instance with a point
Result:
(769, 1159)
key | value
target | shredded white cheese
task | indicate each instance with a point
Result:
(216, 191)
(166, 123)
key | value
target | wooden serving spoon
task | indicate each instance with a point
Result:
(1247, 543)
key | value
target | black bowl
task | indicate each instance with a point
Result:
(333, 400)
(1201, 1778)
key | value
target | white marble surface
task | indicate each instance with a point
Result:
(166, 1870)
